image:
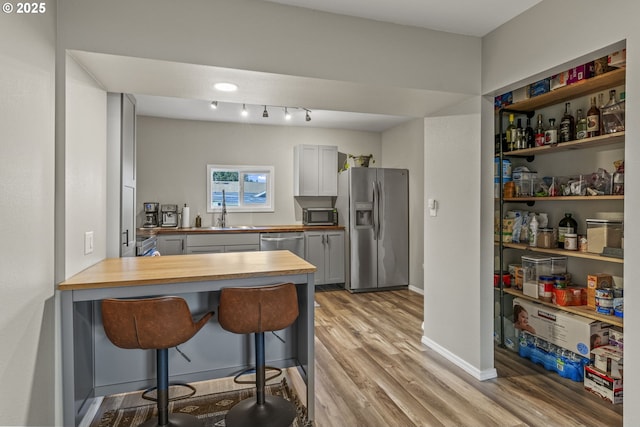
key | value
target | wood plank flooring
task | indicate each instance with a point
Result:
(373, 371)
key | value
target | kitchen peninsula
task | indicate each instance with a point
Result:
(91, 366)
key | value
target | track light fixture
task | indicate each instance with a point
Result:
(265, 113)
(244, 113)
(307, 117)
(287, 116)
(214, 105)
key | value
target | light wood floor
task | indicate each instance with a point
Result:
(373, 371)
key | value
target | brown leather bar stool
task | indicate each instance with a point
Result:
(154, 324)
(258, 310)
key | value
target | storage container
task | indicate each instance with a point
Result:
(546, 238)
(603, 233)
(558, 265)
(534, 266)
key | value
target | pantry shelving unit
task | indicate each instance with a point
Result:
(528, 108)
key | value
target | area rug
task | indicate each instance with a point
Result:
(210, 408)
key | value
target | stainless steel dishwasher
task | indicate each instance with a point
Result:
(291, 241)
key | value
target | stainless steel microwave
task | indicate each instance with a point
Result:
(320, 216)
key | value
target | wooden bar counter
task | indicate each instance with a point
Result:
(92, 366)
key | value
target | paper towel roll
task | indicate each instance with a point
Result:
(185, 216)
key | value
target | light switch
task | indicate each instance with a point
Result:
(88, 242)
(433, 207)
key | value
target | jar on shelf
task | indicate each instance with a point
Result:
(545, 238)
(545, 288)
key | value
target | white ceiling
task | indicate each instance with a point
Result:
(184, 91)
(469, 17)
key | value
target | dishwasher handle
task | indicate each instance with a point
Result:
(280, 239)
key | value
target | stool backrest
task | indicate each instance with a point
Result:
(150, 323)
(258, 309)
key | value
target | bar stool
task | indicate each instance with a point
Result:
(258, 310)
(157, 324)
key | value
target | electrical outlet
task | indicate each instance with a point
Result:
(88, 242)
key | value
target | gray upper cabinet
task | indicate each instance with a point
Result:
(121, 175)
(315, 169)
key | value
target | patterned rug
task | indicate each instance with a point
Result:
(210, 408)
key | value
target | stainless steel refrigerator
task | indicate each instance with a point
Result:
(373, 205)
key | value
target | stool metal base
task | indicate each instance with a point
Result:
(276, 412)
(175, 420)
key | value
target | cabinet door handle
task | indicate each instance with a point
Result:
(126, 237)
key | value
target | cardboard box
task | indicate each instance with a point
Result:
(609, 389)
(616, 337)
(617, 59)
(571, 295)
(608, 360)
(567, 330)
(581, 72)
(540, 87)
(597, 281)
(559, 80)
(520, 94)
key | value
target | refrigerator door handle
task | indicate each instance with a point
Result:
(375, 210)
(378, 221)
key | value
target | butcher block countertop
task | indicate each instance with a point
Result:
(236, 229)
(140, 271)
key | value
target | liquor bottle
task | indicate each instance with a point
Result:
(581, 125)
(567, 125)
(529, 136)
(520, 141)
(610, 118)
(510, 132)
(593, 119)
(567, 225)
(601, 106)
(551, 134)
(539, 133)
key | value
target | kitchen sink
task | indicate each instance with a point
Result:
(242, 227)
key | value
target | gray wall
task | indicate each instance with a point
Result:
(572, 29)
(27, 310)
(173, 157)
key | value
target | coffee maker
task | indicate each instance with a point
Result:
(169, 215)
(150, 214)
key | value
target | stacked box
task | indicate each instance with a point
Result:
(567, 330)
(609, 389)
(596, 281)
(581, 72)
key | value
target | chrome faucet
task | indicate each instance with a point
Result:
(222, 221)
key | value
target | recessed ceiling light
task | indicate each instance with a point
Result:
(226, 87)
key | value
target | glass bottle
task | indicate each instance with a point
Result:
(529, 136)
(593, 119)
(601, 104)
(510, 132)
(520, 141)
(551, 134)
(539, 132)
(567, 225)
(581, 125)
(567, 125)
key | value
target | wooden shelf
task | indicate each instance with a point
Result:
(585, 87)
(581, 310)
(563, 252)
(563, 198)
(597, 141)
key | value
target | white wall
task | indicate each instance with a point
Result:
(85, 204)
(173, 156)
(403, 147)
(27, 326)
(574, 28)
(454, 302)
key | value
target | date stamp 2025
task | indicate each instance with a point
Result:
(33, 8)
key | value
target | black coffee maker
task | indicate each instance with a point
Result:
(150, 214)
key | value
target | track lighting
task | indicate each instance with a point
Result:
(214, 105)
(244, 113)
(307, 117)
(287, 116)
(265, 113)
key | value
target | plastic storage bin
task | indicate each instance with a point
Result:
(558, 265)
(603, 233)
(534, 266)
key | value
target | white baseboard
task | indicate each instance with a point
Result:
(416, 289)
(471, 370)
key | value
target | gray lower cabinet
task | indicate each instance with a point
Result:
(325, 250)
(170, 244)
(223, 242)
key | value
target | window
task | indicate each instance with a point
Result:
(245, 188)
